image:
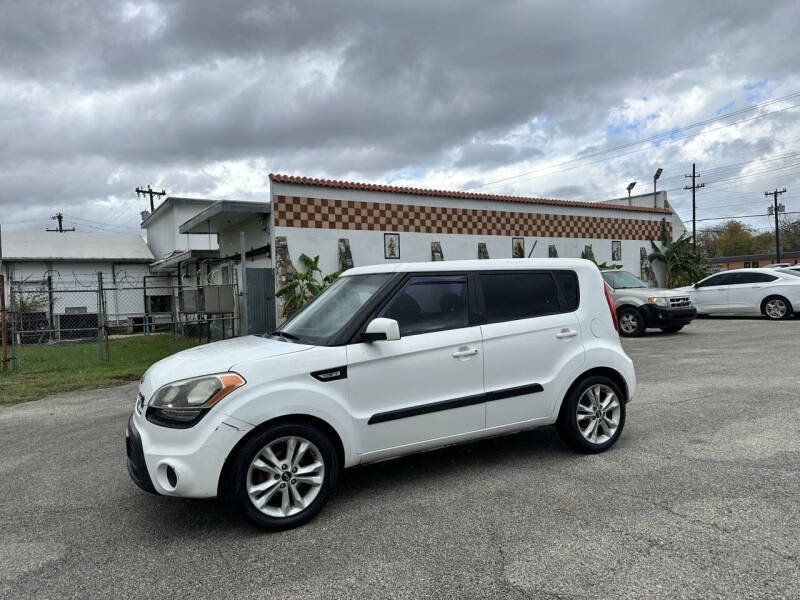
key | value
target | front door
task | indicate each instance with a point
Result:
(428, 385)
(531, 336)
(711, 295)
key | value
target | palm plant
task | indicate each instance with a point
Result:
(682, 264)
(304, 285)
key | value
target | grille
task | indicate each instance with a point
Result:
(681, 302)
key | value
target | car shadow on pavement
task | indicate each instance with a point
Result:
(188, 518)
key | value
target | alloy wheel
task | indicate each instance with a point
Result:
(628, 323)
(598, 413)
(285, 476)
(776, 308)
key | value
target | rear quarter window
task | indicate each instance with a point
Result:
(570, 291)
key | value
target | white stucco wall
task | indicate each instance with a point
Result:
(163, 234)
(367, 246)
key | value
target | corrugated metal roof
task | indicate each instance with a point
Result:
(373, 187)
(27, 245)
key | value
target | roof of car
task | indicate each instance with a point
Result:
(767, 270)
(490, 264)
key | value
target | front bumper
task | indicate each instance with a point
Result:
(181, 462)
(137, 468)
(668, 317)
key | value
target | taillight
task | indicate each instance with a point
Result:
(611, 307)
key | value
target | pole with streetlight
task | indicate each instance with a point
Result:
(630, 187)
(655, 178)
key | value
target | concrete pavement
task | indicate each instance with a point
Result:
(699, 499)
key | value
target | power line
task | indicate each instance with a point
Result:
(796, 212)
(639, 142)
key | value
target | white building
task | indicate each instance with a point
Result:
(347, 224)
(175, 252)
(60, 270)
(385, 224)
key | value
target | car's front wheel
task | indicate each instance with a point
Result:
(776, 308)
(631, 322)
(282, 476)
(592, 415)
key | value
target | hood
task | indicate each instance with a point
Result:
(647, 292)
(216, 357)
(685, 289)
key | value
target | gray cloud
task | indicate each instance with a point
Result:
(98, 97)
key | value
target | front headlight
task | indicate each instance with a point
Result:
(662, 302)
(184, 401)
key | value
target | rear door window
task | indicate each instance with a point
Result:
(753, 278)
(519, 295)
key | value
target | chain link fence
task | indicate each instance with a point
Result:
(88, 321)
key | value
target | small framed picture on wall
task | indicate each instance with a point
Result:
(517, 247)
(616, 250)
(391, 245)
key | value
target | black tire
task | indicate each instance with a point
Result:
(567, 424)
(672, 329)
(779, 300)
(238, 481)
(635, 319)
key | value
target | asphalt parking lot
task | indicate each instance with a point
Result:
(699, 499)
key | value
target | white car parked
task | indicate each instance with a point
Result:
(389, 360)
(765, 291)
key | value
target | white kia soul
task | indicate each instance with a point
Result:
(389, 360)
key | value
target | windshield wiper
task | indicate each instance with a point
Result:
(285, 335)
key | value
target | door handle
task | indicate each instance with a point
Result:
(566, 333)
(464, 353)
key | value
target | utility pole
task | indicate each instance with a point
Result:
(140, 191)
(60, 218)
(694, 187)
(776, 208)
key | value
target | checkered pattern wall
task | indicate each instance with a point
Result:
(321, 213)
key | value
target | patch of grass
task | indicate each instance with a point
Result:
(47, 370)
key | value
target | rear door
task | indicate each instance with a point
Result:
(531, 334)
(428, 384)
(746, 290)
(711, 295)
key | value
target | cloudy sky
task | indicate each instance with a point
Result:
(561, 99)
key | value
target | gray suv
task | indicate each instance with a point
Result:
(640, 307)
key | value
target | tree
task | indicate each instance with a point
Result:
(790, 235)
(735, 239)
(304, 285)
(682, 264)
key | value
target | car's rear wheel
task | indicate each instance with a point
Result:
(631, 322)
(672, 329)
(592, 415)
(776, 308)
(282, 476)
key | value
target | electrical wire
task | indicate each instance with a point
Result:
(667, 142)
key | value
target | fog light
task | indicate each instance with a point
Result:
(172, 476)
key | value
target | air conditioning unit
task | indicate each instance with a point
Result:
(188, 301)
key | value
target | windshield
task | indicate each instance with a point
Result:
(622, 280)
(325, 316)
(794, 272)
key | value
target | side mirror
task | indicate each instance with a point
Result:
(381, 329)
